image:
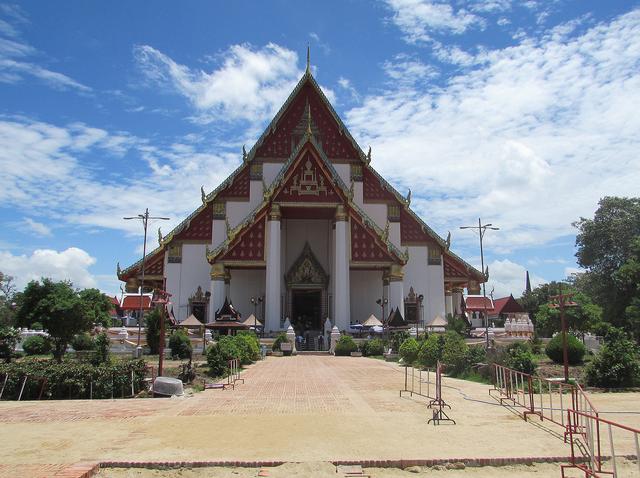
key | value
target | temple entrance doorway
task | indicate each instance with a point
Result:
(306, 310)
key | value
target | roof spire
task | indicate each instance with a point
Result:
(308, 70)
(309, 132)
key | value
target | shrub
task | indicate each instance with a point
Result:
(36, 326)
(248, 344)
(73, 379)
(180, 344)
(454, 353)
(397, 338)
(8, 339)
(617, 364)
(282, 337)
(431, 350)
(102, 352)
(476, 354)
(345, 345)
(409, 350)
(518, 356)
(575, 349)
(372, 347)
(218, 365)
(152, 328)
(457, 324)
(229, 347)
(36, 345)
(82, 342)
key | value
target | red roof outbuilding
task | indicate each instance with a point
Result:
(132, 302)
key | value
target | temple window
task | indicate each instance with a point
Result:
(175, 254)
(393, 212)
(435, 258)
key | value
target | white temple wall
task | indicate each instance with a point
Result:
(256, 193)
(237, 211)
(247, 283)
(295, 232)
(394, 234)
(416, 275)
(436, 305)
(366, 288)
(270, 171)
(377, 212)
(344, 171)
(218, 232)
(183, 279)
(358, 193)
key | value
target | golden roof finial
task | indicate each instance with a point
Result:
(309, 132)
(308, 70)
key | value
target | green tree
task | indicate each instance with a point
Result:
(58, 307)
(8, 339)
(97, 306)
(608, 249)
(7, 299)
(454, 353)
(152, 320)
(585, 316)
(617, 363)
(180, 344)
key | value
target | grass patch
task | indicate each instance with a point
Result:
(473, 377)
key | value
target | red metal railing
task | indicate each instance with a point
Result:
(589, 442)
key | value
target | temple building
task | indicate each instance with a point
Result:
(307, 225)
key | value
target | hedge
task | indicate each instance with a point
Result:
(345, 345)
(72, 379)
(575, 349)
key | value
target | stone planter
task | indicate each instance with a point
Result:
(356, 354)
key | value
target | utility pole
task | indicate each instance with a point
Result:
(562, 301)
(482, 229)
(145, 221)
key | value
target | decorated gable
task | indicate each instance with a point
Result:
(239, 187)
(249, 246)
(411, 231)
(454, 269)
(281, 139)
(199, 228)
(365, 246)
(308, 182)
(373, 190)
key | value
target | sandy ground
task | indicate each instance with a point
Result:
(302, 409)
(327, 470)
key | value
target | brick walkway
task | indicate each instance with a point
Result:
(305, 408)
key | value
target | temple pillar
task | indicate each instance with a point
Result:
(448, 302)
(217, 290)
(457, 301)
(273, 311)
(396, 289)
(341, 294)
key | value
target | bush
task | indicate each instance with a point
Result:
(217, 362)
(454, 353)
(180, 344)
(617, 364)
(73, 379)
(8, 339)
(409, 350)
(345, 345)
(247, 343)
(282, 337)
(575, 349)
(519, 357)
(397, 338)
(152, 328)
(476, 354)
(36, 326)
(372, 347)
(431, 350)
(457, 324)
(82, 342)
(36, 345)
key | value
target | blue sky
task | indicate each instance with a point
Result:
(524, 113)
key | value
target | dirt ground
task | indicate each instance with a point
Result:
(292, 409)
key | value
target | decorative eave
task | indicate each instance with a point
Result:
(124, 274)
(307, 76)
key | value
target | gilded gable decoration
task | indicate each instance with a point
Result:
(393, 212)
(255, 172)
(175, 253)
(219, 210)
(307, 183)
(356, 172)
(306, 270)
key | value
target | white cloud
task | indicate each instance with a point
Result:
(71, 264)
(419, 19)
(530, 138)
(490, 6)
(14, 54)
(249, 84)
(37, 227)
(507, 277)
(346, 85)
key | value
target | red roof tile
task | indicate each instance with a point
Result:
(478, 303)
(133, 302)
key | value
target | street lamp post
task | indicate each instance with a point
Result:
(255, 301)
(382, 302)
(162, 301)
(145, 221)
(562, 301)
(421, 314)
(482, 229)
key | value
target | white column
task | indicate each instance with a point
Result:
(396, 289)
(217, 290)
(341, 283)
(457, 299)
(448, 302)
(274, 275)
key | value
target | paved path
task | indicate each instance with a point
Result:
(306, 408)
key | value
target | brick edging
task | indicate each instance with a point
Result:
(79, 470)
(403, 463)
